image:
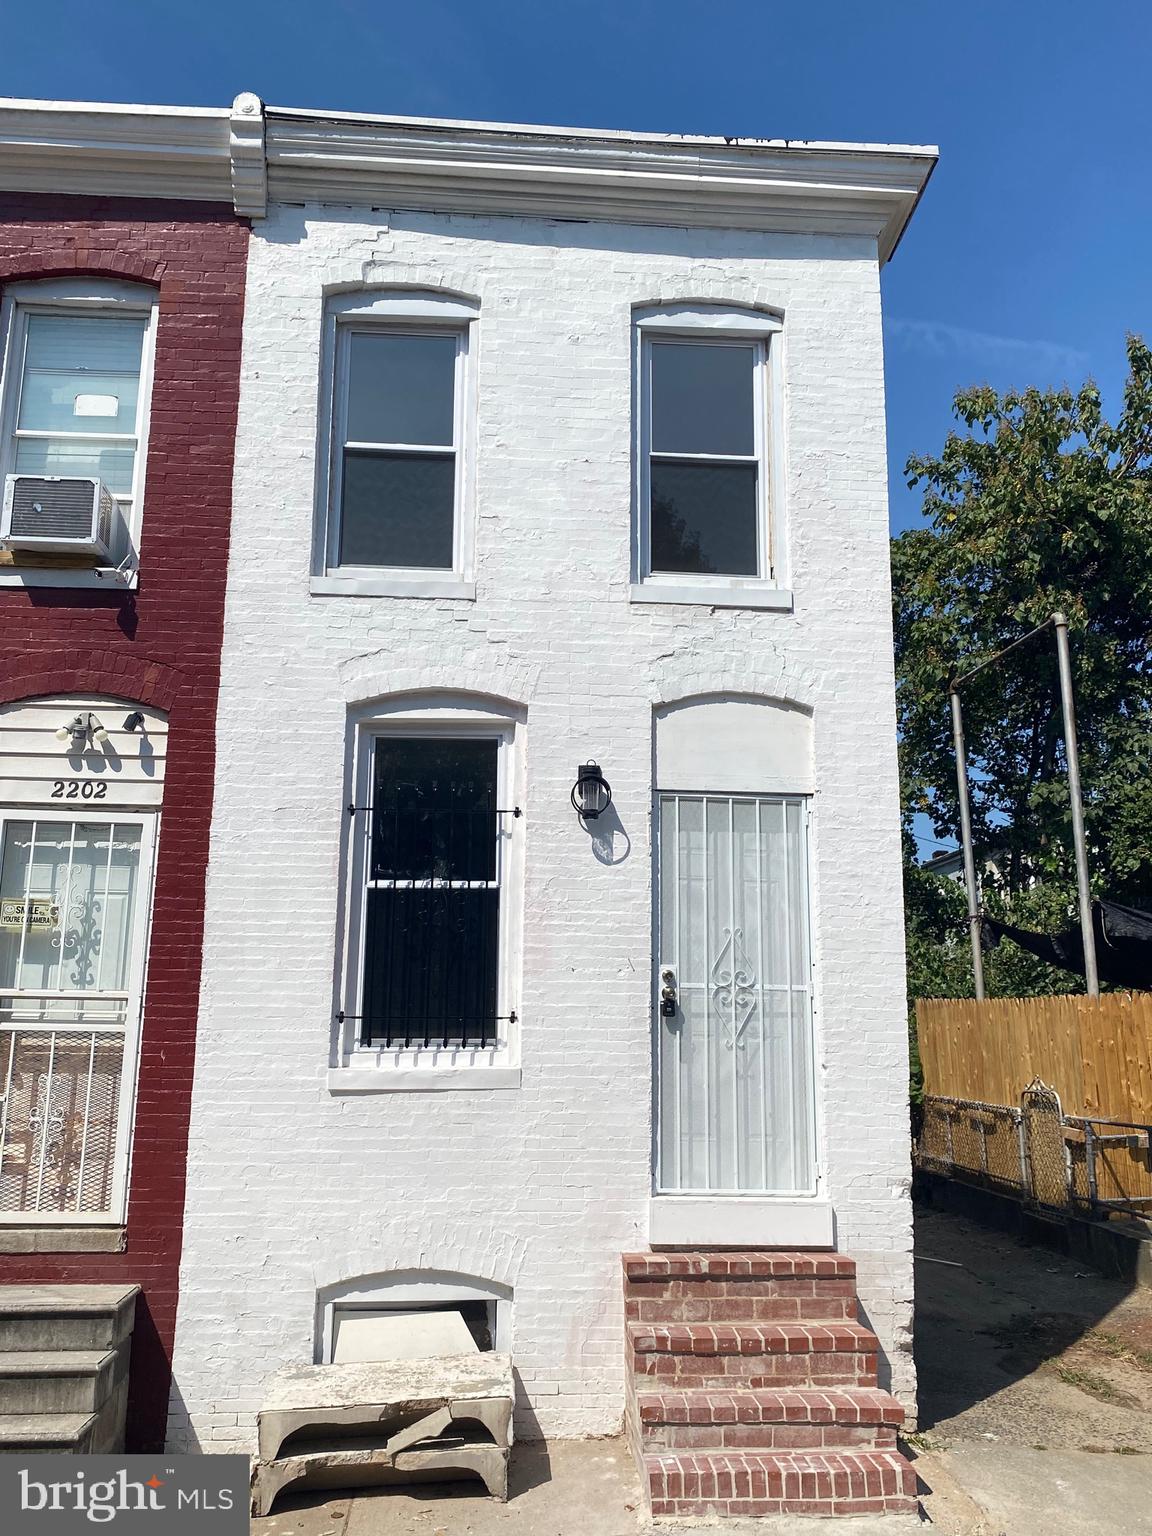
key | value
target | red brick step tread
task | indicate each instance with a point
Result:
(751, 1338)
(768, 1483)
(798, 1405)
(725, 1265)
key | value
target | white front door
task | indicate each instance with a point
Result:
(733, 996)
(74, 899)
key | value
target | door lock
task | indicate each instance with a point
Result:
(668, 1000)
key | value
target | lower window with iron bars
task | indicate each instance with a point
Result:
(430, 862)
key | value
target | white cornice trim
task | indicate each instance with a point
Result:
(589, 174)
(248, 153)
(115, 151)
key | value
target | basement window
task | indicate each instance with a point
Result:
(415, 1314)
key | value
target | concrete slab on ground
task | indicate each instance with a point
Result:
(1007, 1490)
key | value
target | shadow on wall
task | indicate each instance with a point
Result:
(608, 837)
(182, 1438)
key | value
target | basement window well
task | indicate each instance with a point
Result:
(414, 1320)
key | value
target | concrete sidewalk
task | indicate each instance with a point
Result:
(589, 1488)
(566, 1488)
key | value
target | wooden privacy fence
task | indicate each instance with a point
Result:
(1095, 1051)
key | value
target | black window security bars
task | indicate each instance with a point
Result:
(431, 919)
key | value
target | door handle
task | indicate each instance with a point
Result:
(668, 999)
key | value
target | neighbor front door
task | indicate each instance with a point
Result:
(74, 898)
(733, 996)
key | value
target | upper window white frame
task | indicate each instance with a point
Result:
(75, 296)
(399, 312)
(361, 1068)
(708, 324)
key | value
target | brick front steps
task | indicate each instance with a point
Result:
(752, 1388)
(784, 1483)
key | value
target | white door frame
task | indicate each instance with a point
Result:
(805, 1108)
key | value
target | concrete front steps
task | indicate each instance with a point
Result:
(752, 1388)
(64, 1367)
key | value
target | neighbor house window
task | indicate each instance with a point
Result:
(705, 449)
(430, 872)
(397, 468)
(76, 385)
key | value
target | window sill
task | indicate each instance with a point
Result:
(777, 599)
(62, 1239)
(393, 586)
(741, 1221)
(420, 1079)
(106, 578)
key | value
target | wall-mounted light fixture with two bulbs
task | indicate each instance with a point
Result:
(83, 730)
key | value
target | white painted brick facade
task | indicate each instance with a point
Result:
(290, 1188)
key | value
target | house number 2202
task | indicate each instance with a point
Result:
(78, 789)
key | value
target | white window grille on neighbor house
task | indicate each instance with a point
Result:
(74, 902)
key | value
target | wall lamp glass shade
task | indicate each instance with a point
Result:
(591, 793)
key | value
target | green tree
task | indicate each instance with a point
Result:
(1035, 504)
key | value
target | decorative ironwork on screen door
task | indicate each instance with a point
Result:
(734, 1017)
(70, 905)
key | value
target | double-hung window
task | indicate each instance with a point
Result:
(398, 462)
(76, 386)
(432, 846)
(708, 478)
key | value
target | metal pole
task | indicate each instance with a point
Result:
(1072, 753)
(966, 843)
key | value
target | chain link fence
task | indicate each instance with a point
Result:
(983, 1142)
(1037, 1153)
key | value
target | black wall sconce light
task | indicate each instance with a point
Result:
(591, 793)
(134, 721)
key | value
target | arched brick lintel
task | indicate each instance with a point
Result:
(136, 679)
(77, 262)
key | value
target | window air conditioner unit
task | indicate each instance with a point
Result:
(59, 514)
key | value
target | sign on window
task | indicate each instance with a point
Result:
(35, 913)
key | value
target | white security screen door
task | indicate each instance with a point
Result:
(73, 913)
(734, 997)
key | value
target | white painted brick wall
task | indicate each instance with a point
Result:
(291, 1188)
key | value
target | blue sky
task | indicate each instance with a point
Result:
(1026, 264)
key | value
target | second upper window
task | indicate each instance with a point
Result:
(705, 450)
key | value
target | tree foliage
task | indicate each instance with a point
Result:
(1036, 504)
